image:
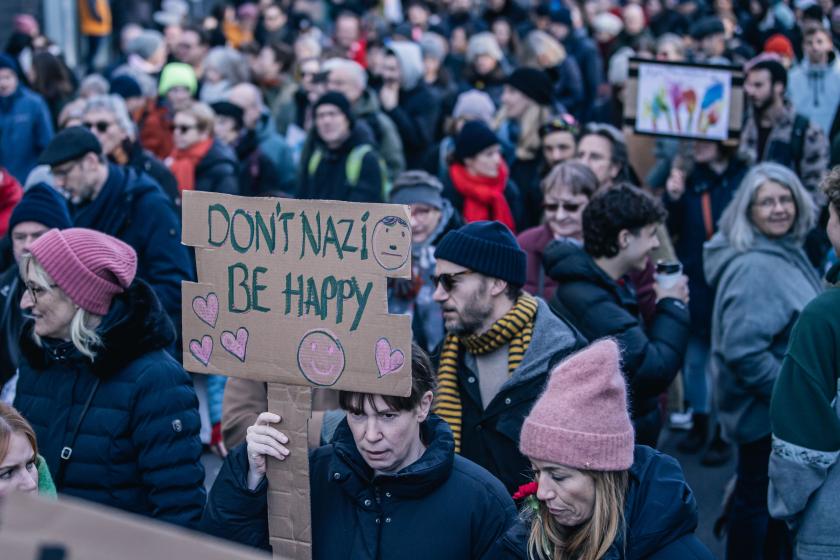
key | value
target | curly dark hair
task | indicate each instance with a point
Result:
(621, 207)
(831, 187)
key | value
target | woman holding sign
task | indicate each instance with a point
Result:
(115, 415)
(389, 486)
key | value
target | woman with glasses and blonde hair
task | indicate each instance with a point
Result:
(115, 415)
(595, 495)
(762, 280)
(199, 161)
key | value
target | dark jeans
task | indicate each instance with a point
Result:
(751, 533)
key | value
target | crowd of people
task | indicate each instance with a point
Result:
(576, 288)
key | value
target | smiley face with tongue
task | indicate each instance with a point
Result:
(391, 242)
(320, 357)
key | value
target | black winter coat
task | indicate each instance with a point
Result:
(442, 506)
(599, 306)
(328, 180)
(144, 161)
(11, 322)
(138, 447)
(257, 173)
(416, 118)
(218, 170)
(660, 514)
(134, 209)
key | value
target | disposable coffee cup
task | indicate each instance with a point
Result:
(668, 273)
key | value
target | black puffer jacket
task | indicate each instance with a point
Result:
(599, 306)
(441, 507)
(218, 170)
(138, 447)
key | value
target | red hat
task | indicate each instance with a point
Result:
(780, 45)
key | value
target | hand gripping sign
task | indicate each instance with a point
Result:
(294, 293)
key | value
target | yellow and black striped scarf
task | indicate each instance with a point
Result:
(515, 329)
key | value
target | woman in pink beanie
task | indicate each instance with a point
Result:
(596, 495)
(115, 415)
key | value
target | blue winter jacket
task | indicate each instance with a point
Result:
(660, 516)
(134, 209)
(441, 507)
(137, 447)
(25, 130)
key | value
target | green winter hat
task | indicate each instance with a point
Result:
(177, 74)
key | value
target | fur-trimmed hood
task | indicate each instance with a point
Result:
(135, 325)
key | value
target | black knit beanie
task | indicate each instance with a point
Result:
(337, 99)
(488, 248)
(474, 137)
(42, 204)
(534, 84)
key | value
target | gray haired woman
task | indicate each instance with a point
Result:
(107, 117)
(762, 280)
(224, 67)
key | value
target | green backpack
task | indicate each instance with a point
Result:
(353, 166)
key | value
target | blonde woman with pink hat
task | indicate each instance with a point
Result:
(115, 415)
(595, 495)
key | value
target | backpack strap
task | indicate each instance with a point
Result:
(797, 139)
(314, 161)
(353, 169)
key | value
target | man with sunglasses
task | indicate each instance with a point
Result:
(40, 210)
(129, 206)
(500, 345)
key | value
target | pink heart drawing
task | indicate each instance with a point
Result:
(236, 345)
(207, 309)
(387, 360)
(201, 350)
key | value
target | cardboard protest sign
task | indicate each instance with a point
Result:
(295, 292)
(692, 101)
(35, 528)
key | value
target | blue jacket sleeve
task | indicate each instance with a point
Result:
(234, 512)
(165, 428)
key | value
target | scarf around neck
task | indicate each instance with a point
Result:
(484, 197)
(515, 329)
(185, 161)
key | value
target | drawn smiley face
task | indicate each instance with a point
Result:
(391, 242)
(320, 357)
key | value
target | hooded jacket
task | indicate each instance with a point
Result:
(328, 180)
(805, 416)
(759, 294)
(814, 90)
(599, 306)
(442, 506)
(134, 209)
(416, 114)
(660, 516)
(367, 110)
(25, 130)
(490, 434)
(137, 447)
(274, 146)
(218, 170)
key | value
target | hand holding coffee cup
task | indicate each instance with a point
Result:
(670, 281)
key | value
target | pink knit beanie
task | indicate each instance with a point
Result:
(89, 266)
(581, 419)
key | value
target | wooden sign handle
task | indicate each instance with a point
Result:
(289, 516)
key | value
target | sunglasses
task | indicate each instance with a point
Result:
(100, 126)
(183, 128)
(570, 207)
(448, 280)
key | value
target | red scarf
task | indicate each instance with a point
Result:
(184, 162)
(484, 197)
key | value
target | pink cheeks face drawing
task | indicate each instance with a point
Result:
(391, 242)
(320, 357)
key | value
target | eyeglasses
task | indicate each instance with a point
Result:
(570, 207)
(100, 126)
(770, 203)
(36, 290)
(183, 128)
(448, 280)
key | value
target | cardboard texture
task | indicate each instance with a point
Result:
(87, 531)
(682, 100)
(294, 293)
